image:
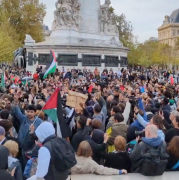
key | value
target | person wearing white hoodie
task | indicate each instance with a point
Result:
(45, 166)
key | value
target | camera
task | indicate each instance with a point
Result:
(40, 96)
(101, 83)
(140, 133)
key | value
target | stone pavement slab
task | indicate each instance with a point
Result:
(166, 176)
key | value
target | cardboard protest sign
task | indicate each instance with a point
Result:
(74, 99)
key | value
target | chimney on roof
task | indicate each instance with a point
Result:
(167, 20)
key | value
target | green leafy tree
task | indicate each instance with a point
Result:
(124, 26)
(8, 40)
(7, 46)
(25, 17)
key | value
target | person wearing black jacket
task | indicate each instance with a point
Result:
(119, 159)
(166, 108)
(172, 129)
(78, 136)
(151, 141)
(97, 140)
(4, 174)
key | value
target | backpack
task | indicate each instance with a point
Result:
(154, 161)
(62, 154)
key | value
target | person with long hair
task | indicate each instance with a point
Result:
(156, 120)
(173, 152)
(86, 165)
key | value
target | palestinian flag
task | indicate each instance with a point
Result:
(3, 79)
(53, 65)
(53, 109)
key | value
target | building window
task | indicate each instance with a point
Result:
(173, 32)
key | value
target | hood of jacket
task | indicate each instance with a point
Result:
(152, 141)
(98, 136)
(4, 153)
(44, 131)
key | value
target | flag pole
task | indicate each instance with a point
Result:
(37, 117)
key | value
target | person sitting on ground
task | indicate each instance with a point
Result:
(13, 148)
(86, 165)
(118, 159)
(173, 152)
(142, 161)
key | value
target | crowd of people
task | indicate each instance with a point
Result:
(128, 124)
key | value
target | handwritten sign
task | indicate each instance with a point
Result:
(74, 99)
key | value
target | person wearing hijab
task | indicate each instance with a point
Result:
(4, 174)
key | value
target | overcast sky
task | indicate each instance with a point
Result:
(145, 15)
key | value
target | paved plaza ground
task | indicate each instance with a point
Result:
(166, 176)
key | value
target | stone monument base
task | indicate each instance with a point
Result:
(78, 56)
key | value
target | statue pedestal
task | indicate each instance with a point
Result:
(84, 45)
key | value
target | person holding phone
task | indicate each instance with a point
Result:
(156, 120)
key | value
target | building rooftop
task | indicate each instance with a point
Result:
(45, 28)
(174, 18)
(153, 39)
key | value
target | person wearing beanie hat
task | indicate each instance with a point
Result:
(2, 136)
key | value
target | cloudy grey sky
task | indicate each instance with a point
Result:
(145, 15)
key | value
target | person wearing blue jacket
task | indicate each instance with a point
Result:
(28, 125)
(136, 122)
(136, 126)
(156, 120)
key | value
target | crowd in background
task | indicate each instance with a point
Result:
(128, 124)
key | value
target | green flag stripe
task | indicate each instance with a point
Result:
(52, 114)
(51, 69)
(3, 80)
